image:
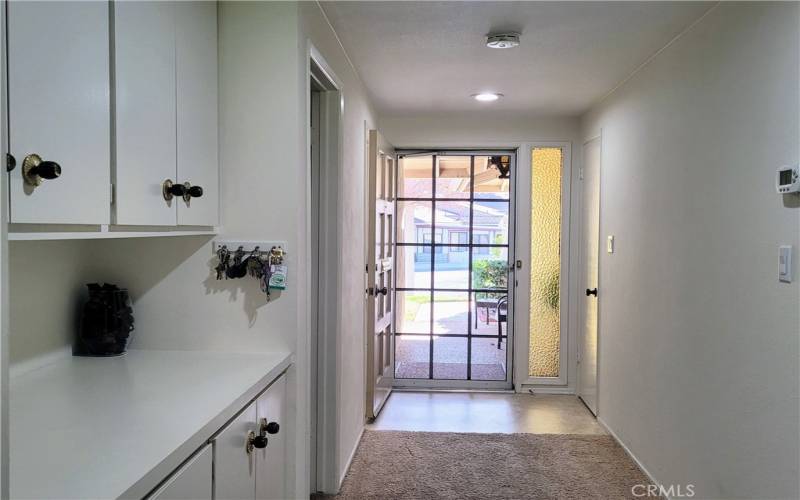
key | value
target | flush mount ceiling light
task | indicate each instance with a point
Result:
(502, 40)
(487, 96)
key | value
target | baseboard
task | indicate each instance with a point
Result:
(350, 460)
(540, 389)
(636, 460)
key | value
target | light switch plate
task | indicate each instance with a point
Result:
(785, 263)
(610, 244)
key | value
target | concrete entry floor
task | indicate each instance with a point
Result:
(486, 412)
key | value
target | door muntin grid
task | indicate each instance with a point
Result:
(468, 225)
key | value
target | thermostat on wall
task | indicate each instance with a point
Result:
(787, 180)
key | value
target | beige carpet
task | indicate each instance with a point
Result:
(431, 465)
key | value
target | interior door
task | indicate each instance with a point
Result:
(590, 240)
(59, 109)
(380, 284)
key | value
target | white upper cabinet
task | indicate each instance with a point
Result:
(146, 143)
(59, 109)
(196, 58)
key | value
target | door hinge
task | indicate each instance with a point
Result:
(113, 193)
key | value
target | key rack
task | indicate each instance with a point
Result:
(263, 260)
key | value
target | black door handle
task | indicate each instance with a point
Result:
(591, 291)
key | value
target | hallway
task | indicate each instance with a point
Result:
(488, 445)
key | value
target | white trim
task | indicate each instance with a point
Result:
(625, 447)
(36, 362)
(350, 458)
(324, 342)
(522, 252)
(541, 389)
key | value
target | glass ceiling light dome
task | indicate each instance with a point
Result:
(502, 40)
(487, 96)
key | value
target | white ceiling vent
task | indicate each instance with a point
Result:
(502, 40)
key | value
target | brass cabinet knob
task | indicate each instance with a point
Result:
(170, 190)
(35, 170)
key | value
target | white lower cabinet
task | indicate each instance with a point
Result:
(271, 460)
(193, 481)
(250, 452)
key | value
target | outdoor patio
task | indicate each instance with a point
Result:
(450, 354)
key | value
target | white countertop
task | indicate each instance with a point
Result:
(114, 427)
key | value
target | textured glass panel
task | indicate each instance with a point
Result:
(453, 176)
(415, 177)
(490, 222)
(412, 356)
(545, 261)
(488, 361)
(450, 358)
(413, 267)
(413, 312)
(488, 181)
(450, 311)
(413, 219)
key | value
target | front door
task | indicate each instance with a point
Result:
(453, 302)
(590, 236)
(380, 284)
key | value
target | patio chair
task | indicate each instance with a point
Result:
(502, 316)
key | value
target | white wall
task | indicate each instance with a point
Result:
(698, 339)
(478, 128)
(357, 114)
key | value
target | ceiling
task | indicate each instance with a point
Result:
(431, 56)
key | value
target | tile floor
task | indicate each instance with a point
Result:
(486, 412)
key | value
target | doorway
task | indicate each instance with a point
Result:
(590, 243)
(453, 264)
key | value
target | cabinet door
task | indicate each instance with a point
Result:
(198, 158)
(193, 481)
(144, 61)
(234, 467)
(59, 109)
(271, 461)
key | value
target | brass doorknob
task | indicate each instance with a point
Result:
(35, 170)
(170, 189)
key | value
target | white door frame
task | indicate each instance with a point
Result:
(567, 289)
(508, 382)
(323, 297)
(4, 291)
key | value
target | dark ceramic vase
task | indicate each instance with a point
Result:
(106, 322)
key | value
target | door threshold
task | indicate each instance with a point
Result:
(440, 389)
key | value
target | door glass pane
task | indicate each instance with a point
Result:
(413, 312)
(490, 222)
(450, 311)
(485, 317)
(450, 358)
(545, 334)
(412, 356)
(453, 176)
(415, 177)
(492, 177)
(451, 268)
(489, 268)
(413, 267)
(488, 360)
(413, 217)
